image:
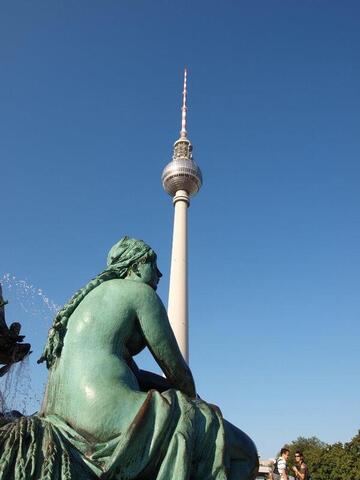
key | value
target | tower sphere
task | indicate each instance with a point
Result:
(182, 173)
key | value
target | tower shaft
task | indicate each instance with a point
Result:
(178, 288)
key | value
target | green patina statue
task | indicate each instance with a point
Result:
(12, 348)
(102, 417)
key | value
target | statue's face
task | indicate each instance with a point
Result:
(149, 273)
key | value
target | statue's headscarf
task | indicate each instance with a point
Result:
(122, 257)
(125, 253)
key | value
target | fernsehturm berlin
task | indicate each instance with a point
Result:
(181, 179)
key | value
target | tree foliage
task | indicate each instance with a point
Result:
(329, 462)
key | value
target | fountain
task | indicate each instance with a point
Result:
(12, 348)
(12, 351)
(22, 387)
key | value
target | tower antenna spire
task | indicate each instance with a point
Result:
(183, 132)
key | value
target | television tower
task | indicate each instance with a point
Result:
(181, 179)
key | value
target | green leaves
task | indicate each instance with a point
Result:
(329, 462)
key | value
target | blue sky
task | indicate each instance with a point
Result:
(90, 97)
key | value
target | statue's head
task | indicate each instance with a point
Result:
(128, 258)
(134, 259)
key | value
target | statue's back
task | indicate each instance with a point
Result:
(91, 382)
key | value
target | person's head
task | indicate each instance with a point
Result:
(299, 457)
(285, 452)
(135, 260)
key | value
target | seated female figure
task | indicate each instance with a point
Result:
(105, 418)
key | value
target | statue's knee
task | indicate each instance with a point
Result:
(241, 446)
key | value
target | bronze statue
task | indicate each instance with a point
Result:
(12, 349)
(102, 417)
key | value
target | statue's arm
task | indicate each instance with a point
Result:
(161, 341)
(148, 380)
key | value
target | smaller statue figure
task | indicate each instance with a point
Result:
(12, 349)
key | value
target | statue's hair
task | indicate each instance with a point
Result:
(116, 269)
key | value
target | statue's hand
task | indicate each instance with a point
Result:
(215, 408)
